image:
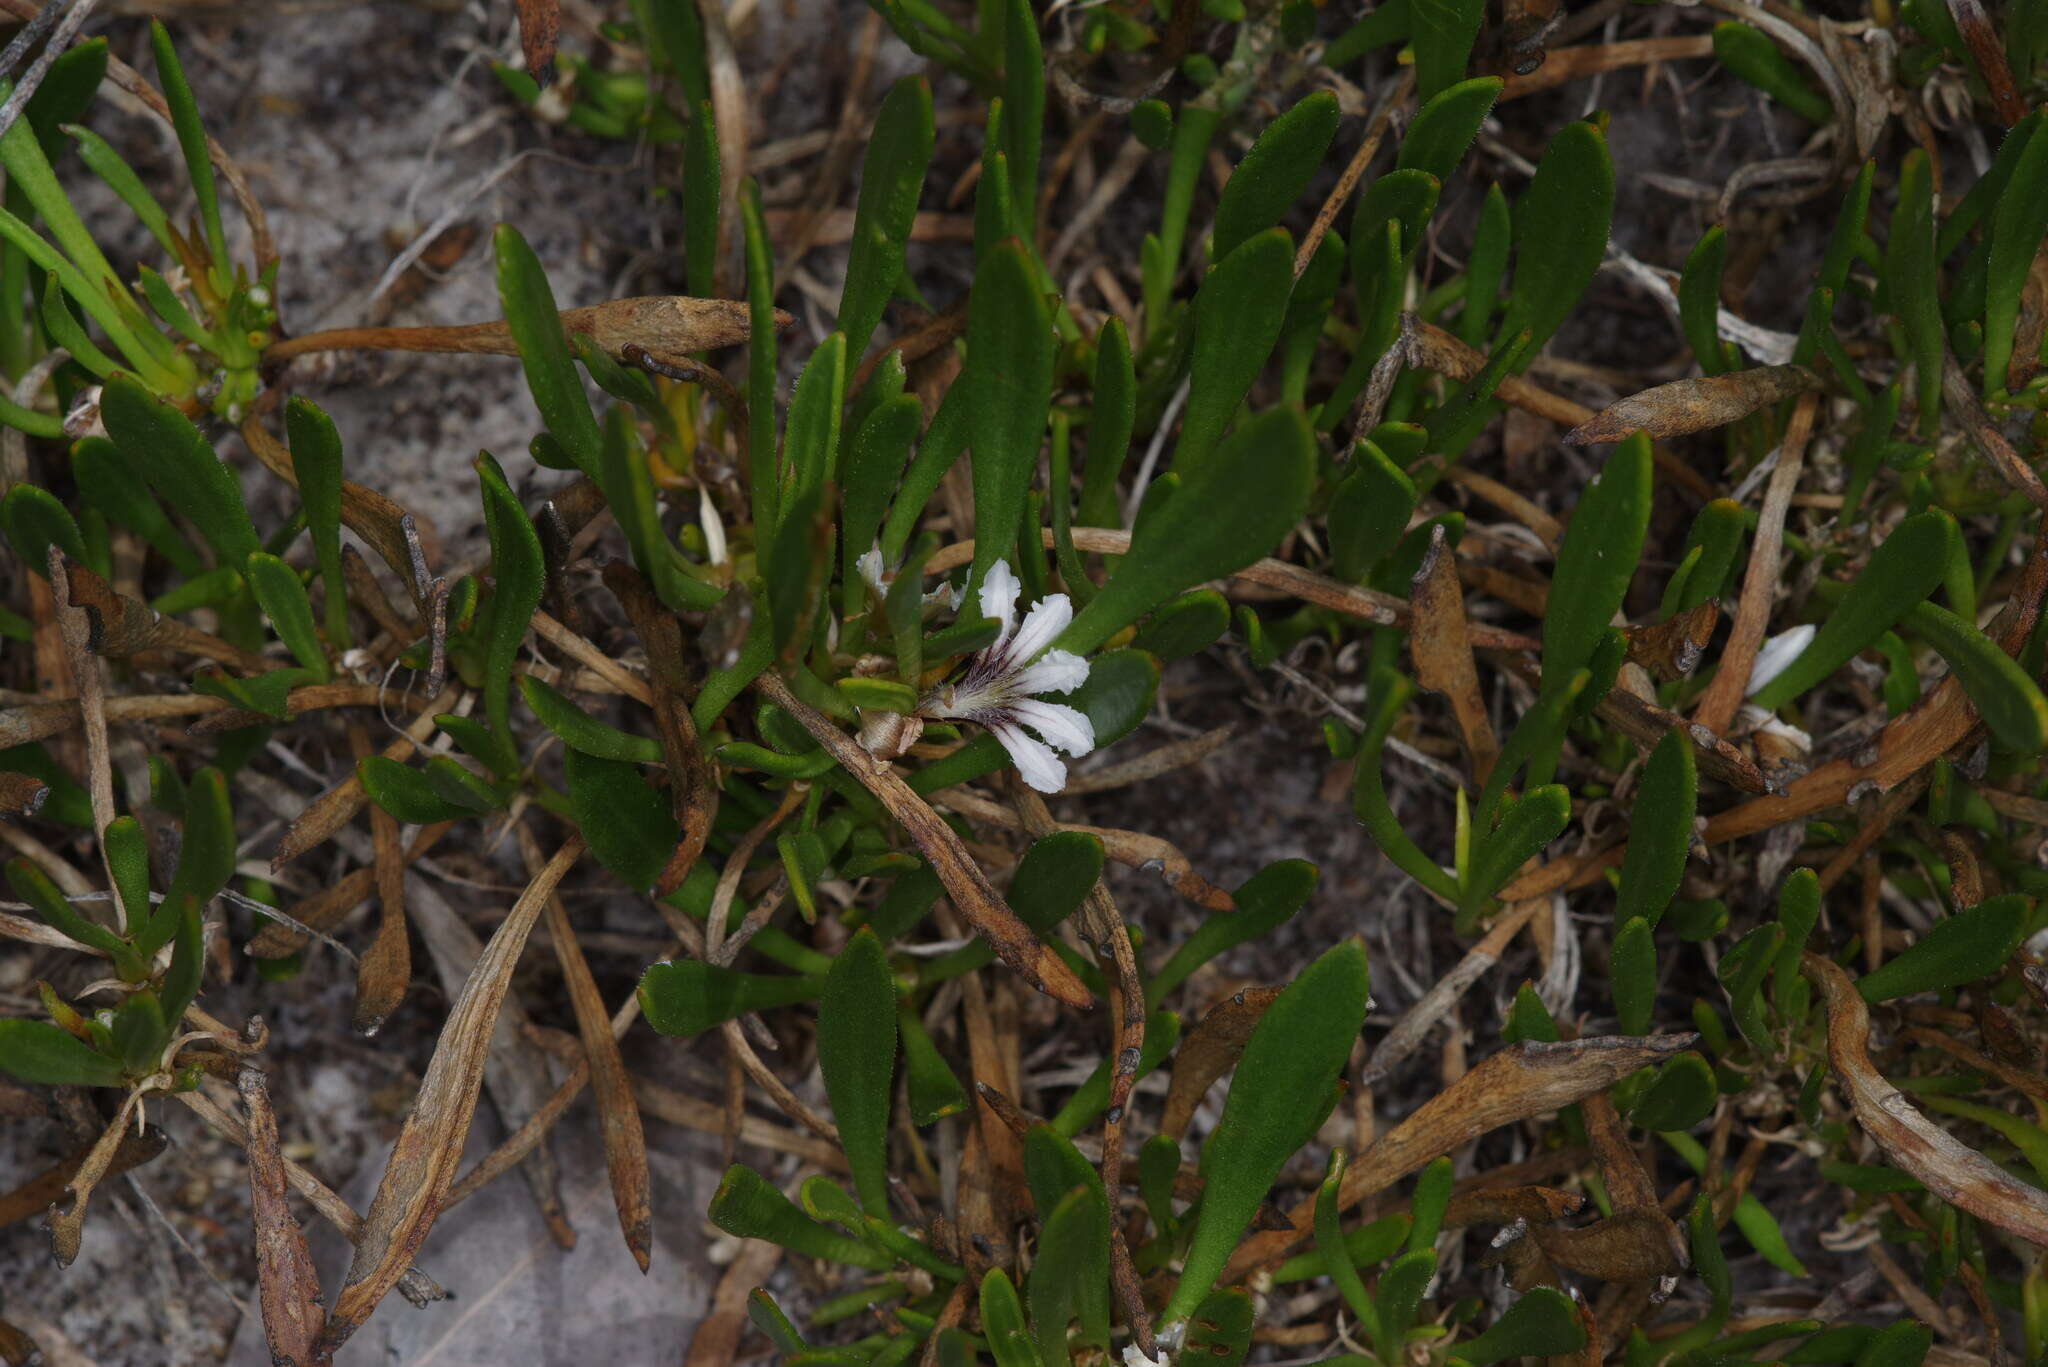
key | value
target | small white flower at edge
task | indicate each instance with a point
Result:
(879, 579)
(1776, 656)
(998, 690)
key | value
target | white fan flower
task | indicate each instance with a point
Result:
(999, 688)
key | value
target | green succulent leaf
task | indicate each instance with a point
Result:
(1680, 1096)
(1660, 831)
(2017, 226)
(1009, 364)
(747, 1206)
(1974, 943)
(282, 595)
(1446, 125)
(520, 574)
(40, 1053)
(686, 997)
(1442, 32)
(1274, 173)
(536, 323)
(316, 464)
(892, 176)
(1999, 687)
(1561, 224)
(1542, 1323)
(179, 463)
(1277, 1095)
(1597, 560)
(857, 1054)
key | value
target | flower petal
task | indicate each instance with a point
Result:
(1777, 656)
(1065, 727)
(999, 590)
(1056, 671)
(1035, 760)
(1042, 625)
(870, 567)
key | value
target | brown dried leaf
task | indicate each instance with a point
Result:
(1443, 651)
(1210, 1050)
(716, 1341)
(338, 806)
(540, 24)
(1686, 406)
(324, 910)
(46, 1188)
(22, 794)
(1956, 1173)
(288, 1287)
(1627, 1246)
(118, 626)
(423, 1158)
(1505, 1205)
(625, 1144)
(964, 881)
(386, 967)
(1672, 649)
(1521, 1080)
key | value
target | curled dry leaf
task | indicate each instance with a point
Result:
(964, 881)
(1442, 647)
(423, 1157)
(540, 24)
(288, 1287)
(1956, 1173)
(1627, 1246)
(118, 626)
(22, 794)
(1672, 649)
(1684, 406)
(1210, 1050)
(1521, 1080)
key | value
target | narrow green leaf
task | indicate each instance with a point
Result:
(1109, 428)
(1192, 622)
(1756, 59)
(857, 1054)
(1002, 1322)
(160, 442)
(1010, 355)
(1542, 1323)
(1533, 822)
(1262, 472)
(1295, 1054)
(701, 172)
(520, 576)
(934, 1091)
(1912, 285)
(1336, 1253)
(874, 465)
(686, 997)
(1446, 125)
(1632, 971)
(747, 1206)
(1974, 943)
(1070, 1276)
(1238, 313)
(1220, 1334)
(126, 850)
(1682, 1094)
(1699, 300)
(2009, 701)
(206, 852)
(1904, 568)
(405, 793)
(1023, 127)
(1264, 902)
(1742, 971)
(1598, 558)
(1905, 1344)
(316, 463)
(536, 323)
(628, 825)
(191, 141)
(282, 596)
(1485, 266)
(811, 434)
(1660, 831)
(1274, 173)
(892, 176)
(579, 730)
(103, 161)
(44, 898)
(761, 365)
(1442, 32)
(35, 520)
(2017, 226)
(40, 1053)
(1561, 224)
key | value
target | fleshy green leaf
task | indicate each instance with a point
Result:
(628, 824)
(873, 467)
(405, 793)
(282, 595)
(1109, 427)
(1533, 822)
(748, 1207)
(1561, 224)
(579, 730)
(2009, 701)
(536, 323)
(316, 463)
(1974, 943)
(1660, 831)
(1912, 285)
(1681, 1095)
(1904, 568)
(1755, 58)
(1542, 1323)
(1274, 173)
(38, 1052)
(892, 176)
(2017, 225)
(1277, 1095)
(1238, 313)
(1194, 621)
(1070, 1276)
(1442, 32)
(180, 465)
(1265, 902)
(1446, 124)
(857, 1054)
(1598, 558)
(520, 575)
(1262, 472)
(1632, 973)
(687, 997)
(1009, 364)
